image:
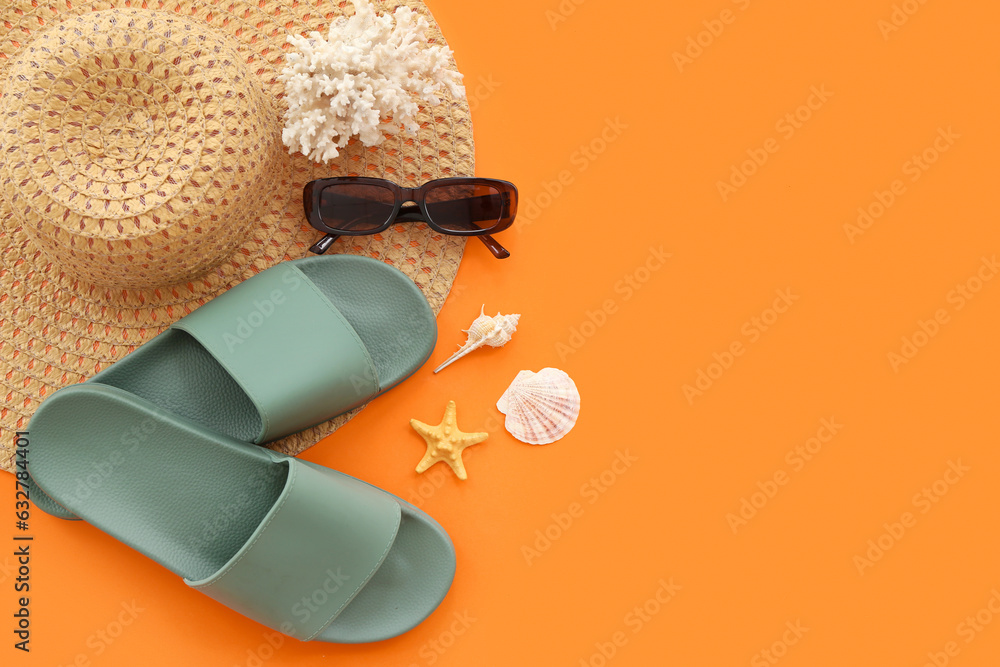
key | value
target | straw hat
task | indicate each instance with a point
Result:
(142, 173)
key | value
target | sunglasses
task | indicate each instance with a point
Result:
(355, 206)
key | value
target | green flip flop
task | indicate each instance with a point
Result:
(289, 348)
(300, 548)
(293, 346)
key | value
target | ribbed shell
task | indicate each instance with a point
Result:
(541, 407)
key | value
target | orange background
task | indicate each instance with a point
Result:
(543, 87)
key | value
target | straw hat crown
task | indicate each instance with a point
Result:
(137, 146)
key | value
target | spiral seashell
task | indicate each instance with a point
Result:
(541, 407)
(494, 331)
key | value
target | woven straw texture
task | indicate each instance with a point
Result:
(142, 174)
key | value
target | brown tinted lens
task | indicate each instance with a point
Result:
(355, 207)
(465, 208)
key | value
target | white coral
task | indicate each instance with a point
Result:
(369, 68)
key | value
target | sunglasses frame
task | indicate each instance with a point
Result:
(314, 190)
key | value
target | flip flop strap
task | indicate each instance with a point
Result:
(288, 347)
(325, 537)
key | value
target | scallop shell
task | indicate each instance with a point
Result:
(485, 330)
(541, 407)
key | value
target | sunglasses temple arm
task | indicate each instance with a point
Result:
(491, 243)
(323, 244)
(498, 250)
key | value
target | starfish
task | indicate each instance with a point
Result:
(445, 442)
